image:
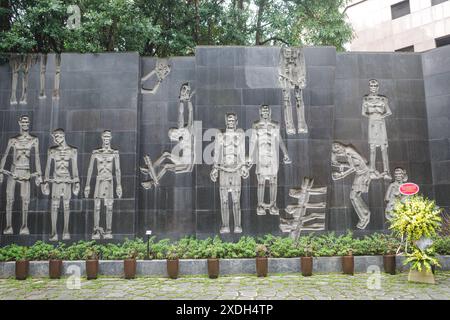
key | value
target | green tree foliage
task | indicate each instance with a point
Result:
(169, 27)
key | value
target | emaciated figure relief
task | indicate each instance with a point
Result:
(20, 63)
(293, 76)
(64, 180)
(22, 146)
(376, 108)
(182, 157)
(265, 142)
(230, 165)
(107, 159)
(161, 71)
(393, 192)
(298, 219)
(349, 161)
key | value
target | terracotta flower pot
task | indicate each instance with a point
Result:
(213, 268)
(91, 269)
(55, 269)
(22, 267)
(348, 265)
(306, 266)
(173, 268)
(129, 268)
(389, 263)
(262, 266)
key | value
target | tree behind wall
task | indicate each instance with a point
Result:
(169, 27)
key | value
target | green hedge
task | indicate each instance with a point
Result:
(191, 248)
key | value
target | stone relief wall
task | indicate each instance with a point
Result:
(133, 143)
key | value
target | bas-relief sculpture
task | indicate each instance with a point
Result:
(376, 108)
(22, 147)
(230, 167)
(265, 142)
(347, 160)
(393, 192)
(42, 72)
(63, 179)
(293, 76)
(299, 219)
(161, 71)
(182, 157)
(107, 162)
(57, 82)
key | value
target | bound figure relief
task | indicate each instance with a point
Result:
(107, 162)
(161, 71)
(376, 108)
(265, 143)
(63, 178)
(182, 157)
(293, 76)
(230, 166)
(22, 147)
(393, 192)
(347, 160)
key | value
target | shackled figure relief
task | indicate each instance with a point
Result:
(293, 76)
(265, 143)
(161, 71)
(108, 162)
(347, 160)
(182, 157)
(376, 108)
(63, 181)
(22, 146)
(230, 166)
(393, 192)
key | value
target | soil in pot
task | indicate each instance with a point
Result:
(91, 269)
(389, 263)
(55, 269)
(306, 266)
(172, 268)
(348, 265)
(262, 266)
(129, 268)
(22, 267)
(213, 268)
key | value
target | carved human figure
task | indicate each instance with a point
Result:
(15, 62)
(161, 71)
(182, 157)
(393, 192)
(63, 179)
(293, 76)
(107, 160)
(230, 166)
(57, 82)
(376, 108)
(265, 142)
(349, 161)
(22, 146)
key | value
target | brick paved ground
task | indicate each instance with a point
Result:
(319, 286)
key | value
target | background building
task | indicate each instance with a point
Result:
(395, 25)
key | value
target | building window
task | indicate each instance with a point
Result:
(436, 2)
(444, 41)
(406, 49)
(400, 9)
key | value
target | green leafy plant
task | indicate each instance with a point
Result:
(54, 254)
(420, 259)
(91, 254)
(172, 253)
(262, 251)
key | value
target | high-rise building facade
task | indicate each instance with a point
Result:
(399, 25)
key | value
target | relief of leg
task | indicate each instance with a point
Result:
(225, 211)
(66, 233)
(54, 218)
(273, 197)
(10, 188)
(25, 194)
(260, 210)
(109, 215)
(288, 118)
(302, 126)
(385, 156)
(14, 79)
(373, 156)
(96, 234)
(236, 197)
(361, 209)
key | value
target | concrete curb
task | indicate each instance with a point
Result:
(39, 269)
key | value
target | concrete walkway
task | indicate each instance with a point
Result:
(293, 286)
